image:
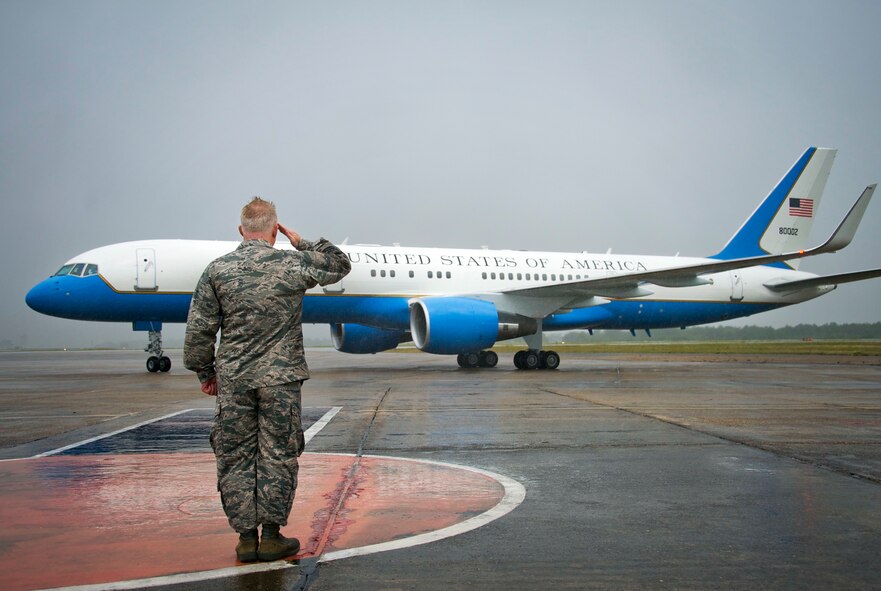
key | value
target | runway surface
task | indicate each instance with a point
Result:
(610, 473)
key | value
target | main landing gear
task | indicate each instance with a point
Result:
(478, 359)
(532, 359)
(157, 361)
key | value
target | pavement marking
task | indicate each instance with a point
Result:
(309, 434)
(106, 435)
(515, 494)
(181, 578)
(321, 423)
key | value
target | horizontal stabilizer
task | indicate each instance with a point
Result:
(784, 286)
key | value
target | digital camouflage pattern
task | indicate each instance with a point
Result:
(254, 297)
(257, 438)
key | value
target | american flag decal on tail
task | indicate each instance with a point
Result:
(800, 207)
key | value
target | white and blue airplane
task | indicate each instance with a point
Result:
(461, 302)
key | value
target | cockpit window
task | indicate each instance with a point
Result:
(78, 270)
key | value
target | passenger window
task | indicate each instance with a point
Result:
(484, 274)
(412, 274)
(373, 272)
(382, 273)
(492, 275)
(544, 276)
(440, 274)
(391, 273)
(519, 276)
(91, 270)
(511, 276)
(553, 277)
(78, 269)
(430, 275)
(449, 274)
(528, 277)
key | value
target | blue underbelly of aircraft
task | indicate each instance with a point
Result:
(91, 298)
(648, 314)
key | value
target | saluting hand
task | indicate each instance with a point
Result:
(291, 235)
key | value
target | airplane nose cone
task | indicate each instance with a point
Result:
(42, 296)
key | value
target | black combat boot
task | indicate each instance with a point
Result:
(274, 546)
(246, 549)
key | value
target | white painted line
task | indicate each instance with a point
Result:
(111, 434)
(321, 423)
(233, 571)
(515, 493)
(309, 434)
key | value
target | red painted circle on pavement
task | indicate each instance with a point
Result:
(106, 518)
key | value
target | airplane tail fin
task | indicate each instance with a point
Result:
(782, 221)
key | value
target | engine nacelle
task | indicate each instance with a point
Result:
(453, 325)
(448, 326)
(356, 338)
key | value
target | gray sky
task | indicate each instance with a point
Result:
(647, 127)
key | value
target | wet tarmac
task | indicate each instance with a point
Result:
(609, 473)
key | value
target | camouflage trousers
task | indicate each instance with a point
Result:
(256, 438)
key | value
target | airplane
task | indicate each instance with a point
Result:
(461, 302)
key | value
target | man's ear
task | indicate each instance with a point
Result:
(241, 232)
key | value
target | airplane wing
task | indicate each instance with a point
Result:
(541, 300)
(783, 286)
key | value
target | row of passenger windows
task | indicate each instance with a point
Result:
(510, 276)
(78, 269)
(533, 276)
(391, 273)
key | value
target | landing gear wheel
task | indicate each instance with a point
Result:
(488, 359)
(471, 359)
(532, 359)
(460, 359)
(164, 364)
(152, 364)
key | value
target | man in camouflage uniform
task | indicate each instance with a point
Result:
(254, 296)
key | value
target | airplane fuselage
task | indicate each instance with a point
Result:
(153, 280)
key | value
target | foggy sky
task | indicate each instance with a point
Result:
(645, 127)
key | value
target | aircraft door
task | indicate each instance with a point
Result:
(146, 270)
(335, 287)
(736, 286)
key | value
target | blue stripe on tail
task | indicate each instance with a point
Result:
(745, 243)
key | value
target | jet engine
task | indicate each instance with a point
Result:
(356, 338)
(452, 325)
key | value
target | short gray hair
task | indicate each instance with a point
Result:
(259, 216)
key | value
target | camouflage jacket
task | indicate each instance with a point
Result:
(254, 296)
